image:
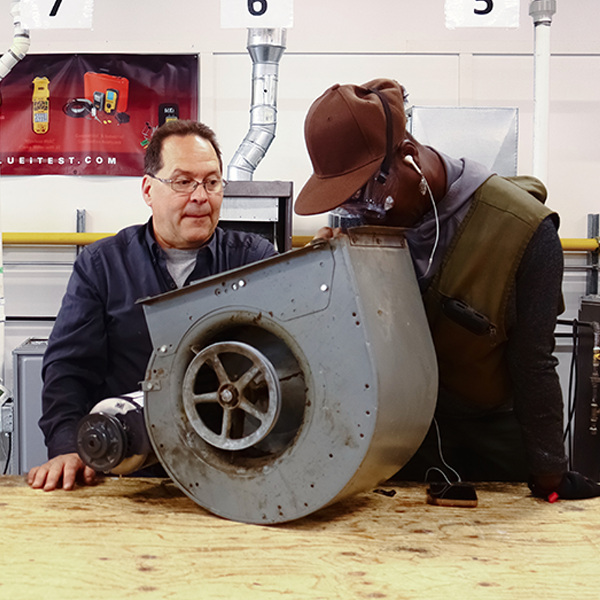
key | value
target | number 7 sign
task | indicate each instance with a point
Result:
(257, 13)
(54, 10)
(57, 14)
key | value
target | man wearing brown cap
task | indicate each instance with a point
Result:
(489, 264)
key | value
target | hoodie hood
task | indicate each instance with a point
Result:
(463, 177)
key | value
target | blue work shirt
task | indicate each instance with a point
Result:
(100, 346)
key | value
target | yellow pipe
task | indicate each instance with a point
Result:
(82, 239)
(34, 238)
(301, 240)
(50, 239)
(579, 245)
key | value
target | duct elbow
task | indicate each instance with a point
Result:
(250, 152)
(15, 53)
(20, 45)
(239, 172)
(21, 35)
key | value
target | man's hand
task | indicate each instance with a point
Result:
(61, 471)
(326, 233)
(571, 486)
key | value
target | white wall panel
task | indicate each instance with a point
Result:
(574, 125)
(574, 156)
(50, 203)
(35, 279)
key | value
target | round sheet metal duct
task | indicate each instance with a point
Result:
(282, 387)
(266, 47)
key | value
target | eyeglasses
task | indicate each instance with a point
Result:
(369, 201)
(183, 185)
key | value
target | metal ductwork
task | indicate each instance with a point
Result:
(20, 44)
(266, 47)
(282, 387)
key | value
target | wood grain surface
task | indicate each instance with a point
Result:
(143, 538)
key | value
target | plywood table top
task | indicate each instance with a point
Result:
(143, 538)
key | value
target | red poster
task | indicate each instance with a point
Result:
(90, 114)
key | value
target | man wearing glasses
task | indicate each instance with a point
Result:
(100, 346)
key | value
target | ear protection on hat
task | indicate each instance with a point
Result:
(384, 170)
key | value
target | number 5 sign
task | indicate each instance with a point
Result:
(482, 13)
(57, 14)
(257, 13)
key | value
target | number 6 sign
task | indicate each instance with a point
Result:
(57, 14)
(482, 13)
(257, 13)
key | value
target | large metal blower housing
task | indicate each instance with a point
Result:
(285, 386)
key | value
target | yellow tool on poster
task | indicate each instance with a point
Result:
(40, 101)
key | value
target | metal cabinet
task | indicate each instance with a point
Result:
(29, 449)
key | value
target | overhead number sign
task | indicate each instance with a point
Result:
(257, 13)
(482, 13)
(57, 14)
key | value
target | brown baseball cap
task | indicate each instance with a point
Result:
(345, 134)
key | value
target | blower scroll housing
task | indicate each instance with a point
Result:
(284, 386)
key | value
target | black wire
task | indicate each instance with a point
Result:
(78, 108)
(33, 318)
(572, 396)
(573, 386)
(9, 436)
(384, 170)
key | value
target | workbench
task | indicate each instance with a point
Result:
(143, 538)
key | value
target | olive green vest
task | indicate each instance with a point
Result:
(479, 268)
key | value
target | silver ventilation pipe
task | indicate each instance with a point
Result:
(266, 47)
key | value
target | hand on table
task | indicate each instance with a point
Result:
(61, 471)
(571, 486)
